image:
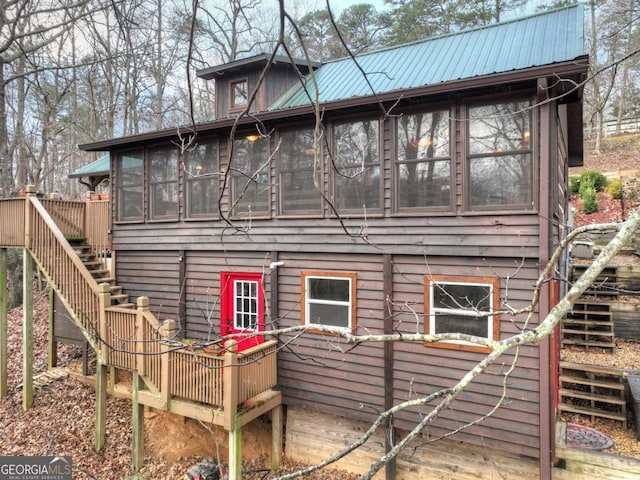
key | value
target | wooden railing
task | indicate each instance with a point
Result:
(68, 216)
(138, 342)
(12, 218)
(63, 268)
(96, 227)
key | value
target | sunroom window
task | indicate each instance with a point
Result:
(356, 166)
(163, 183)
(500, 157)
(462, 305)
(299, 173)
(329, 299)
(250, 177)
(423, 164)
(202, 180)
(130, 186)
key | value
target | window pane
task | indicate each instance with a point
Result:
(356, 173)
(246, 305)
(332, 315)
(129, 186)
(250, 186)
(239, 93)
(163, 182)
(459, 296)
(503, 127)
(500, 164)
(332, 289)
(501, 180)
(423, 166)
(202, 180)
(447, 323)
(297, 169)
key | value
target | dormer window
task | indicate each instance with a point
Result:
(239, 93)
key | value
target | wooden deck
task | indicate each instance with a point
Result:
(228, 389)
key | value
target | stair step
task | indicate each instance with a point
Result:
(99, 272)
(120, 297)
(116, 290)
(91, 265)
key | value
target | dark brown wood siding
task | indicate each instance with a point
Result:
(153, 274)
(321, 371)
(420, 370)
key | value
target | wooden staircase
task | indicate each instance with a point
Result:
(100, 273)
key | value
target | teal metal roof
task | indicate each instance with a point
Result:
(539, 40)
(102, 166)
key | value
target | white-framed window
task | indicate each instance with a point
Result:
(329, 299)
(458, 304)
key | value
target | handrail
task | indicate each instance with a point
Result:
(63, 268)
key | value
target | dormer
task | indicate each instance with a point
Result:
(236, 81)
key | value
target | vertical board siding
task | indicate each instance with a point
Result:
(421, 369)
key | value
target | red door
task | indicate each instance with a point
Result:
(242, 307)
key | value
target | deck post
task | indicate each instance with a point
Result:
(235, 452)
(137, 450)
(276, 437)
(4, 359)
(52, 345)
(104, 301)
(166, 330)
(231, 379)
(101, 406)
(27, 330)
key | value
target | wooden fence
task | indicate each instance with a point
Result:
(12, 218)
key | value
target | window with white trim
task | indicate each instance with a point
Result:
(462, 305)
(329, 299)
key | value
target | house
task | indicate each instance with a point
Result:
(438, 177)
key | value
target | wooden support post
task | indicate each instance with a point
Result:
(27, 330)
(231, 385)
(3, 323)
(52, 345)
(101, 406)
(104, 301)
(166, 330)
(137, 450)
(231, 379)
(142, 305)
(235, 453)
(276, 437)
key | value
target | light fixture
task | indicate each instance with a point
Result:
(253, 137)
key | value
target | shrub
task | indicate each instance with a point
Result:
(574, 184)
(594, 179)
(614, 188)
(589, 200)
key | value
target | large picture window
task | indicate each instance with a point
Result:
(201, 165)
(299, 173)
(500, 158)
(462, 305)
(329, 299)
(130, 186)
(356, 166)
(163, 183)
(250, 177)
(423, 163)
